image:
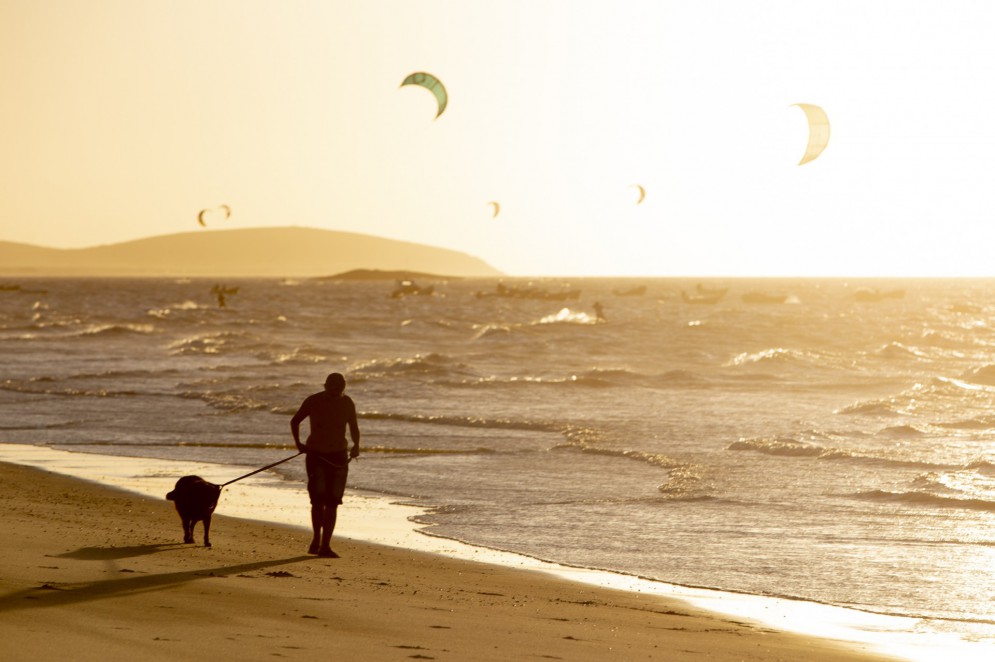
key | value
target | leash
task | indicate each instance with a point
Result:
(268, 466)
(286, 459)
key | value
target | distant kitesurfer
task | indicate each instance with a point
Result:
(599, 311)
(328, 455)
(220, 291)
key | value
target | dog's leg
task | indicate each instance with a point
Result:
(207, 531)
(188, 530)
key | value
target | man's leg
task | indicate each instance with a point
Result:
(335, 489)
(317, 517)
(327, 527)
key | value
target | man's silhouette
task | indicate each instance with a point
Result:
(328, 455)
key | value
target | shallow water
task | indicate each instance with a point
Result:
(827, 449)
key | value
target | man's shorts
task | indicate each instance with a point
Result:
(326, 476)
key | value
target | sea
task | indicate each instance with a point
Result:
(829, 441)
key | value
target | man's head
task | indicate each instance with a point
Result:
(335, 383)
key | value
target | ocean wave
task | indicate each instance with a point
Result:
(583, 379)
(775, 355)
(977, 423)
(40, 323)
(934, 481)
(871, 408)
(925, 499)
(229, 402)
(685, 481)
(15, 387)
(954, 344)
(897, 350)
(603, 377)
(984, 375)
(166, 311)
(790, 447)
(982, 466)
(901, 431)
(840, 454)
(567, 316)
(654, 459)
(462, 421)
(214, 343)
(484, 331)
(951, 385)
(596, 377)
(426, 365)
(297, 355)
(778, 446)
(111, 374)
(115, 330)
(5, 336)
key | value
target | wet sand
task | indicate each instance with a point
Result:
(88, 572)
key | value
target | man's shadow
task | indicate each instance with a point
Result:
(55, 596)
(115, 553)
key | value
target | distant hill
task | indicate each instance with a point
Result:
(380, 274)
(278, 252)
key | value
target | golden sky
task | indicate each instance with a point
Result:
(122, 119)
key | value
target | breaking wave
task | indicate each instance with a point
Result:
(775, 355)
(871, 408)
(103, 330)
(790, 447)
(925, 500)
(425, 365)
(596, 378)
(220, 342)
(463, 421)
(896, 350)
(984, 375)
(567, 316)
(778, 446)
(15, 387)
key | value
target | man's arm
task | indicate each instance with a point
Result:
(353, 429)
(295, 426)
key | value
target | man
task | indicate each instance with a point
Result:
(328, 455)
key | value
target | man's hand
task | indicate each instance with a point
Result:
(354, 453)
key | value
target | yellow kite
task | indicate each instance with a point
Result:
(818, 131)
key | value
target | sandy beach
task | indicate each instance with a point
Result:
(94, 573)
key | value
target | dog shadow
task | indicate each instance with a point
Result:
(116, 553)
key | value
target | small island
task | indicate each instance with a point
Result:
(383, 274)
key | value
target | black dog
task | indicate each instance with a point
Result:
(195, 501)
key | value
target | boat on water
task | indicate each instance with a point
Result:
(701, 298)
(763, 297)
(865, 295)
(410, 287)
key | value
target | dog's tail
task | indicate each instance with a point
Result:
(171, 496)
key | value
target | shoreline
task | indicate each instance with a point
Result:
(380, 520)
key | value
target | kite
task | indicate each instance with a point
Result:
(432, 84)
(497, 208)
(818, 131)
(223, 209)
(642, 194)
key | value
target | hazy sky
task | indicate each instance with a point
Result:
(122, 119)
